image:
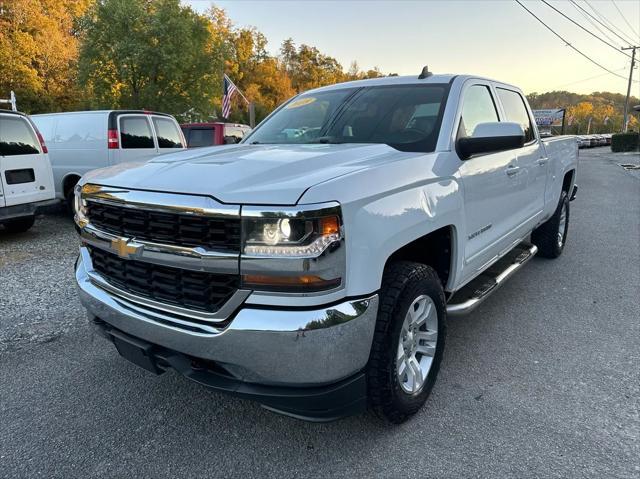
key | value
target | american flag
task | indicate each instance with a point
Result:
(229, 89)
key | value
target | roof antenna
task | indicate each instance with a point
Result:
(425, 73)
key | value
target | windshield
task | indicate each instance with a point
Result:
(405, 117)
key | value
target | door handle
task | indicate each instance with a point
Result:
(512, 170)
(542, 161)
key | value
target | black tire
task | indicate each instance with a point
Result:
(546, 236)
(19, 225)
(403, 282)
(69, 200)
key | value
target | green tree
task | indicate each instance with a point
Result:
(38, 53)
(157, 55)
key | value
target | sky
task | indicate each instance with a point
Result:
(493, 38)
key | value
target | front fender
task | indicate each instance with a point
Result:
(377, 229)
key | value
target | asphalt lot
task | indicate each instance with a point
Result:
(543, 380)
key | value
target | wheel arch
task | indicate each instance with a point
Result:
(436, 249)
(68, 182)
(569, 180)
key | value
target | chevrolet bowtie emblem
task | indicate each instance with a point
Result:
(124, 248)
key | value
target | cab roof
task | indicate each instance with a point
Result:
(405, 80)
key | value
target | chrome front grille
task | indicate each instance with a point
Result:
(172, 255)
(219, 233)
(179, 287)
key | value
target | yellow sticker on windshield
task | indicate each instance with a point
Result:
(300, 102)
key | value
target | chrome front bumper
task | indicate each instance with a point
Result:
(288, 347)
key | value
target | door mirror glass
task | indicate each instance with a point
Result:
(491, 137)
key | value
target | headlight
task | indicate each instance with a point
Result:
(79, 208)
(296, 237)
(296, 249)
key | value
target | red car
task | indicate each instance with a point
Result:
(213, 133)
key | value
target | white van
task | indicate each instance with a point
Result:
(26, 179)
(82, 141)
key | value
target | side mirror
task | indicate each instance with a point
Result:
(231, 140)
(490, 138)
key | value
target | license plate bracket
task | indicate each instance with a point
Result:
(136, 351)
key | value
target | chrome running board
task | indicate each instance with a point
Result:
(475, 292)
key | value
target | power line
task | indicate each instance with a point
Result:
(589, 78)
(586, 16)
(625, 19)
(590, 15)
(586, 30)
(567, 43)
(600, 20)
(608, 22)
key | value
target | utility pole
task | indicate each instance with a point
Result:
(626, 102)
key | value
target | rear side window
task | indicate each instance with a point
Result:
(478, 107)
(516, 111)
(135, 132)
(168, 134)
(83, 130)
(17, 137)
(201, 137)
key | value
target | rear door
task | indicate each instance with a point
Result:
(136, 139)
(25, 171)
(168, 134)
(531, 160)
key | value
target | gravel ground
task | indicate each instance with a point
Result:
(38, 301)
(543, 380)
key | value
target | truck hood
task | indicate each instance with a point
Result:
(249, 174)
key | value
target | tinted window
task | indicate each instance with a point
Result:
(478, 107)
(17, 137)
(135, 132)
(516, 111)
(200, 137)
(406, 117)
(167, 131)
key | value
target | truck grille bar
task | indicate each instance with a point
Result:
(187, 289)
(222, 234)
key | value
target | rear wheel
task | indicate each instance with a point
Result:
(551, 236)
(408, 342)
(19, 225)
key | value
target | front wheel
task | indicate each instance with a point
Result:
(408, 341)
(551, 236)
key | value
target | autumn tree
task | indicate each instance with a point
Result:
(38, 53)
(157, 55)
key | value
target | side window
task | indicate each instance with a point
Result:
(80, 131)
(478, 107)
(234, 133)
(135, 132)
(17, 137)
(200, 137)
(516, 111)
(167, 131)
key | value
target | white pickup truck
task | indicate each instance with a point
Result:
(312, 267)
